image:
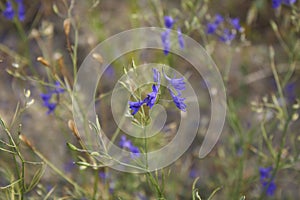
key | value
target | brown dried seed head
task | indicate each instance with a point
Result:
(98, 57)
(73, 128)
(26, 141)
(43, 61)
(67, 26)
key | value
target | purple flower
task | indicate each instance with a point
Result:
(51, 107)
(211, 28)
(236, 24)
(169, 21)
(177, 83)
(151, 97)
(180, 38)
(58, 89)
(156, 76)
(265, 173)
(227, 36)
(8, 13)
(266, 180)
(104, 176)
(21, 10)
(46, 97)
(277, 3)
(289, 2)
(135, 106)
(218, 19)
(124, 143)
(179, 101)
(289, 91)
(165, 38)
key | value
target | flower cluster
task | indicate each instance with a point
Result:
(177, 84)
(219, 27)
(151, 97)
(265, 179)
(46, 97)
(165, 36)
(277, 3)
(124, 143)
(9, 12)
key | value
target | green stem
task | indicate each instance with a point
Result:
(95, 184)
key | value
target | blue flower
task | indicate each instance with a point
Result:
(46, 97)
(179, 101)
(58, 89)
(236, 24)
(165, 38)
(151, 97)
(156, 76)
(212, 27)
(289, 91)
(8, 13)
(135, 106)
(289, 2)
(180, 38)
(265, 173)
(169, 21)
(266, 181)
(218, 19)
(51, 107)
(21, 10)
(124, 143)
(277, 3)
(177, 83)
(227, 36)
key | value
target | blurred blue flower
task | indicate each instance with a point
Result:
(235, 22)
(58, 89)
(177, 83)
(165, 38)
(156, 76)
(51, 107)
(212, 26)
(277, 3)
(8, 13)
(265, 172)
(135, 106)
(21, 10)
(289, 91)
(266, 181)
(227, 36)
(151, 97)
(104, 176)
(124, 143)
(46, 97)
(180, 38)
(218, 19)
(179, 101)
(169, 21)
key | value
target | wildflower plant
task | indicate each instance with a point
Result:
(142, 118)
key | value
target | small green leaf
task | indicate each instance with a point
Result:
(36, 178)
